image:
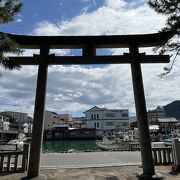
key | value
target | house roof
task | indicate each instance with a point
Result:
(167, 120)
(95, 108)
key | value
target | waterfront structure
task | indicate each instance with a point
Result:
(89, 45)
(19, 116)
(52, 119)
(64, 133)
(78, 122)
(103, 119)
(156, 113)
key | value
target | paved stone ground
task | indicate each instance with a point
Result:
(100, 173)
(90, 159)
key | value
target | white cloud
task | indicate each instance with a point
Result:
(115, 4)
(46, 28)
(19, 20)
(108, 19)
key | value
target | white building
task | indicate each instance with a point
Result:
(107, 119)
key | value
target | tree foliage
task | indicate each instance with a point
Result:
(8, 11)
(170, 8)
(10, 118)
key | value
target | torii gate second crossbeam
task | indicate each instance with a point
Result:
(88, 44)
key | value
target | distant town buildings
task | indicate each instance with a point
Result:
(156, 113)
(16, 121)
(18, 116)
(52, 119)
(98, 120)
(166, 125)
(103, 119)
(157, 118)
(78, 122)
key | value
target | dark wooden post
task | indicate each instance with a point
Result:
(89, 51)
(38, 123)
(141, 113)
(25, 157)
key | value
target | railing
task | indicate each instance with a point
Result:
(162, 156)
(15, 160)
(134, 146)
(8, 147)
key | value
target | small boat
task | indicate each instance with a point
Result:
(106, 144)
(112, 142)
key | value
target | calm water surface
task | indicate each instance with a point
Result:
(68, 145)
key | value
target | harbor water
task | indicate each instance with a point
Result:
(57, 146)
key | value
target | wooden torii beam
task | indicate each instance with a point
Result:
(72, 60)
(89, 44)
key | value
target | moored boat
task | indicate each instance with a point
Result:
(112, 142)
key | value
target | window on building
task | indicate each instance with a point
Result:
(110, 115)
(124, 114)
(109, 123)
(97, 125)
(124, 124)
(119, 124)
(94, 116)
(97, 116)
(91, 116)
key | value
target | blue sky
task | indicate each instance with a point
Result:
(54, 11)
(74, 89)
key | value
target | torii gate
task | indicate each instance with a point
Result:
(88, 44)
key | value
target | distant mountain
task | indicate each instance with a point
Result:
(173, 109)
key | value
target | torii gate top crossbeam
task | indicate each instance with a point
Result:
(109, 41)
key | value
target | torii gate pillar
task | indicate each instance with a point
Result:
(38, 123)
(141, 114)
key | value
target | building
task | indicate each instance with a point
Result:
(63, 126)
(156, 113)
(78, 122)
(52, 119)
(103, 119)
(18, 116)
(133, 122)
(166, 125)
